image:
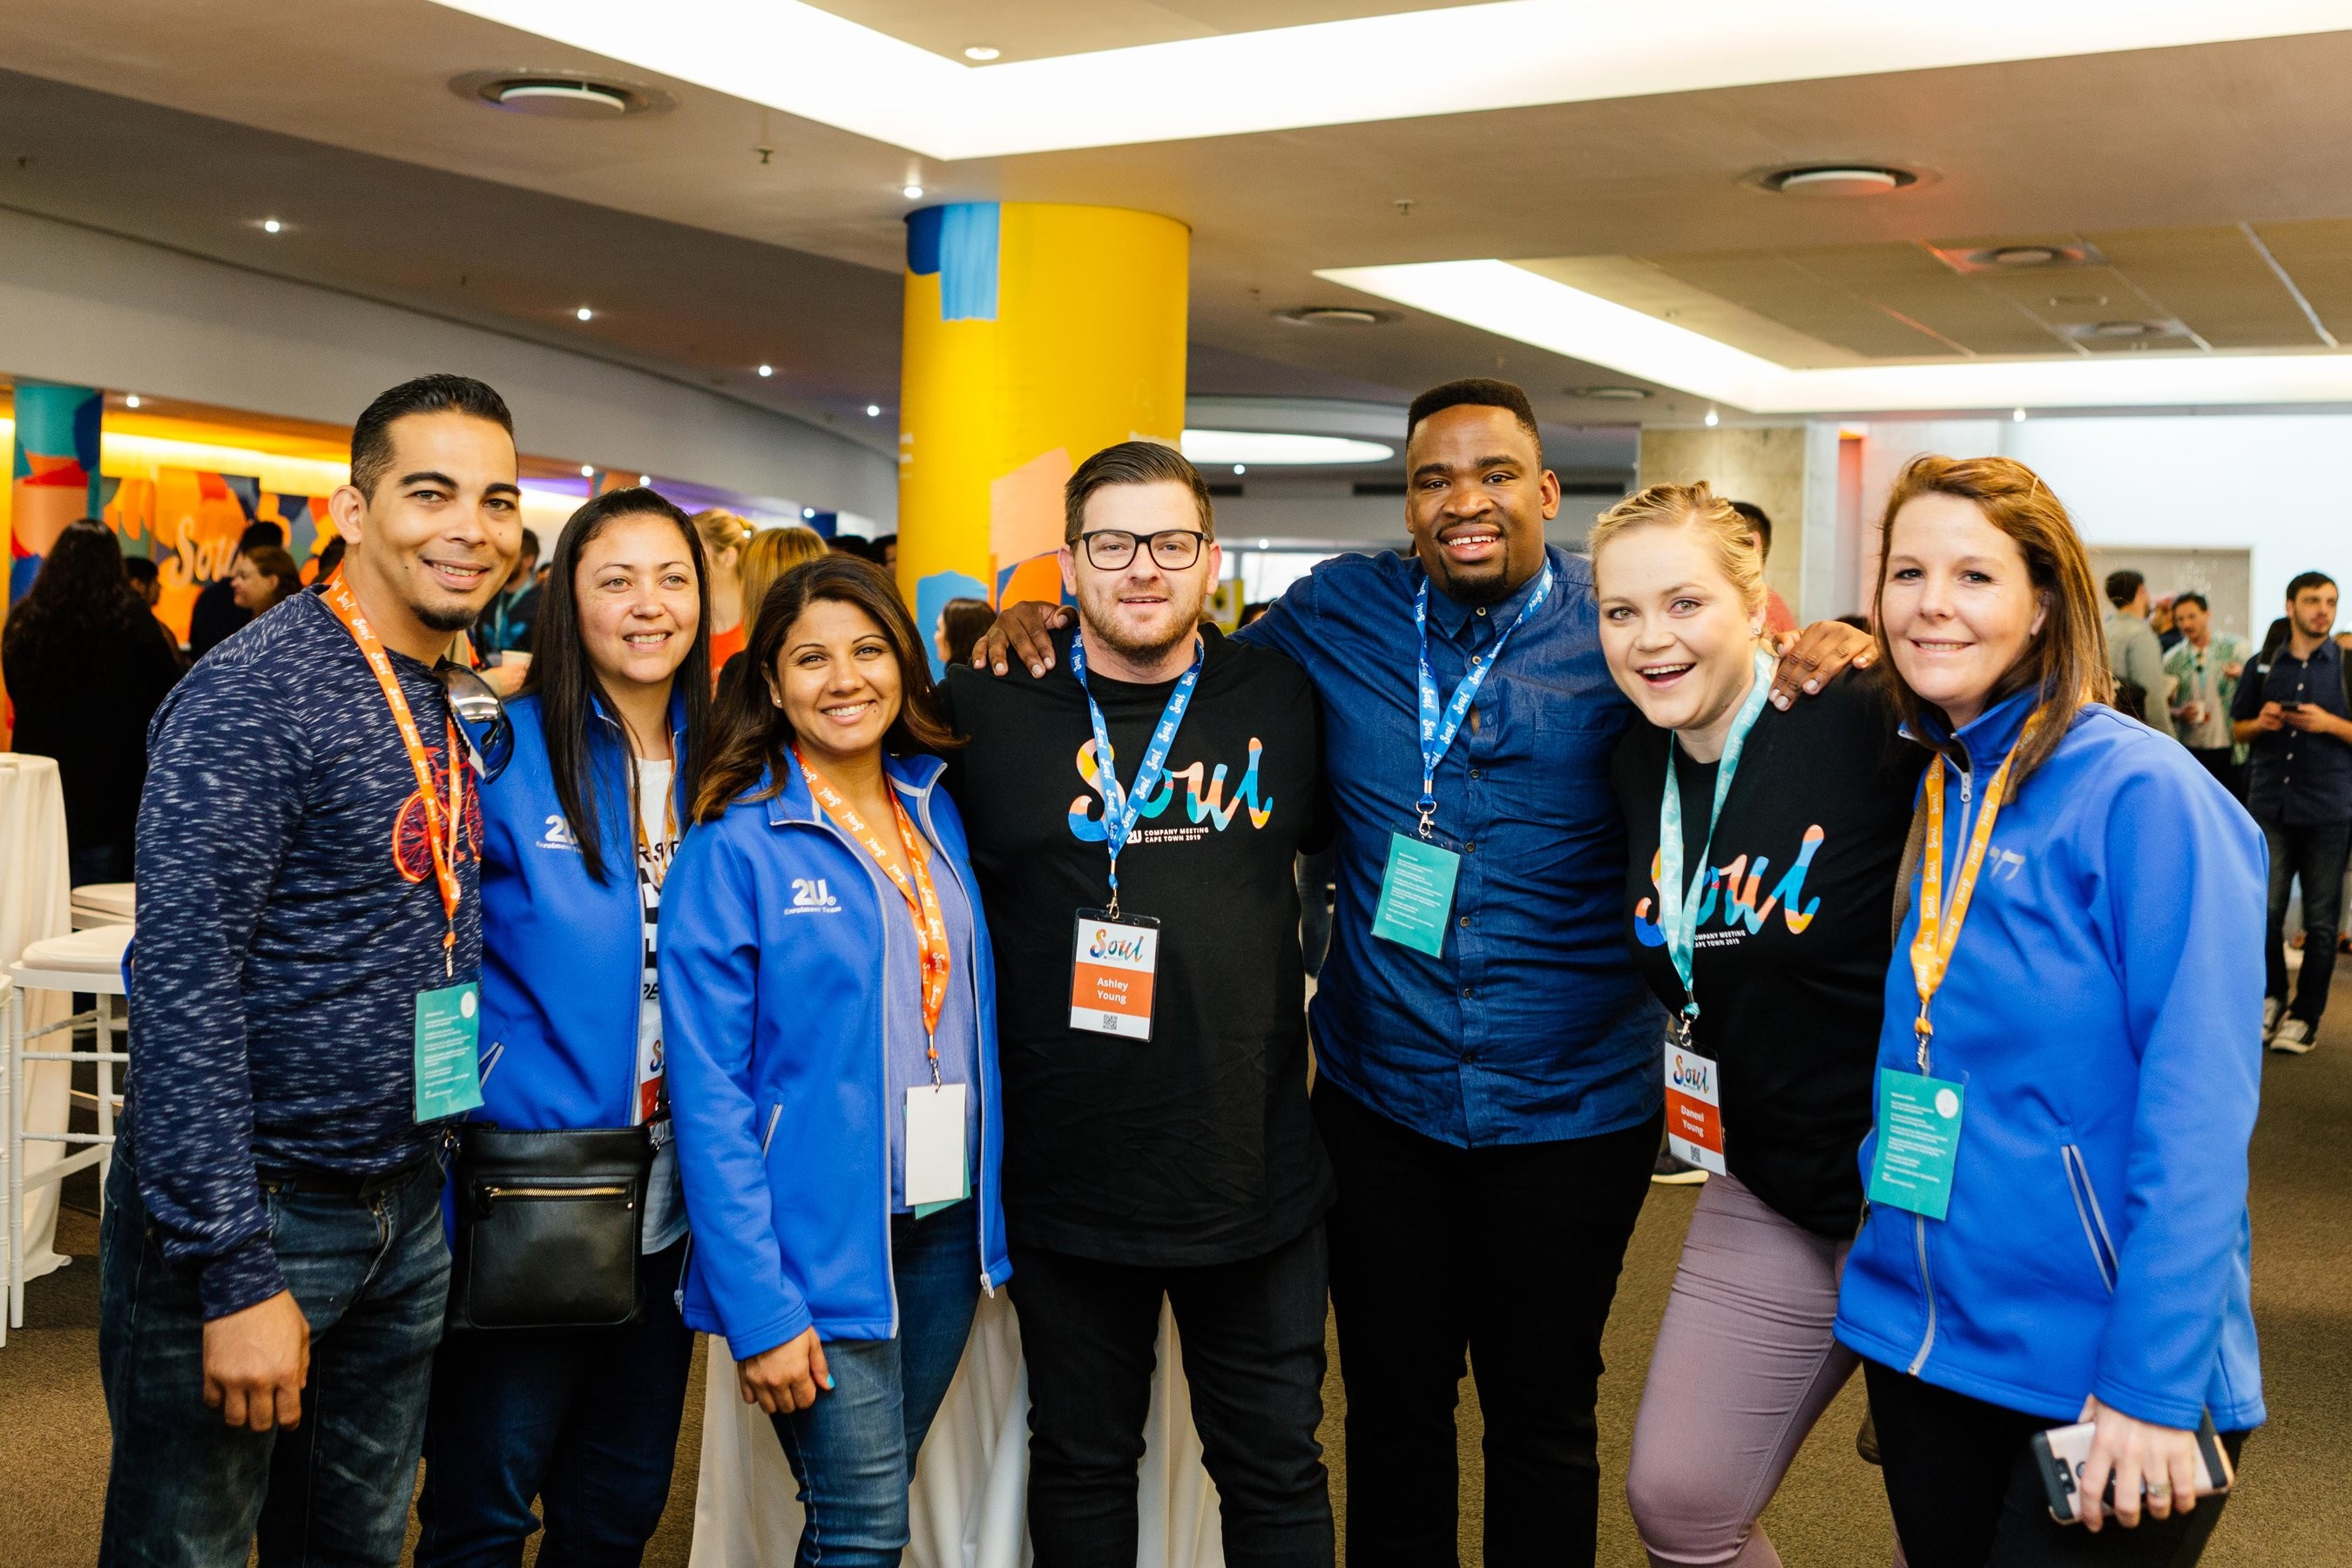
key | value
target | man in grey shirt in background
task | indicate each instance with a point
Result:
(2134, 654)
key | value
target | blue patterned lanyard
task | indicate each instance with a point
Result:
(1122, 806)
(1678, 909)
(1438, 729)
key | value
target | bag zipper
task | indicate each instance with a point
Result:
(488, 1193)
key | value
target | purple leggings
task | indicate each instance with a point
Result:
(1744, 1365)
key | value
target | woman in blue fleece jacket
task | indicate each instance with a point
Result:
(2086, 1057)
(830, 1012)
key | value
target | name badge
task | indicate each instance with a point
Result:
(937, 1174)
(1694, 1109)
(1918, 1143)
(448, 1051)
(1416, 894)
(1112, 963)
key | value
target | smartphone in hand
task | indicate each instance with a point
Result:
(2063, 1453)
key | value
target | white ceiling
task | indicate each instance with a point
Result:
(703, 255)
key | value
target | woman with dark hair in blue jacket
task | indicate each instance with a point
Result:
(831, 1016)
(610, 737)
(2068, 1069)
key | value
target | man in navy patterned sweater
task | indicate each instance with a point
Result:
(272, 1255)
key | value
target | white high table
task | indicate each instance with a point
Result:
(35, 905)
(969, 1507)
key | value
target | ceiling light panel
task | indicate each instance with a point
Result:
(792, 57)
(1277, 450)
(1514, 302)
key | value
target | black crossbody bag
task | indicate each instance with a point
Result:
(548, 1227)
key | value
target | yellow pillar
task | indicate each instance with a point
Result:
(1036, 335)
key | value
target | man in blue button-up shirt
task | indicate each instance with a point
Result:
(1491, 1112)
(2291, 708)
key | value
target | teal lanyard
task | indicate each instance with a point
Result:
(1678, 908)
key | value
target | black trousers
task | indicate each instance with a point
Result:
(1252, 1343)
(1962, 1484)
(1510, 1254)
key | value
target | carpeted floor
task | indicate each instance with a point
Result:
(1831, 1511)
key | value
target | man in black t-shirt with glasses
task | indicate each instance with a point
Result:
(1134, 814)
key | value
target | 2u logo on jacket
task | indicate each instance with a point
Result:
(559, 834)
(811, 896)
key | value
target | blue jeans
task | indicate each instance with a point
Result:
(585, 1420)
(371, 1272)
(854, 1453)
(2314, 856)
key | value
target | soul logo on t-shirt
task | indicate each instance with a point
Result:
(1729, 896)
(1205, 806)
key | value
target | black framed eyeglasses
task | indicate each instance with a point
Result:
(1174, 548)
(482, 711)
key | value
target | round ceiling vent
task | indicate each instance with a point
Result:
(1841, 180)
(1334, 316)
(560, 95)
(1611, 394)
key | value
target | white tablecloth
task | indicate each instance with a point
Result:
(969, 1504)
(35, 903)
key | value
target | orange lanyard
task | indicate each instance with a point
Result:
(922, 898)
(442, 841)
(1931, 949)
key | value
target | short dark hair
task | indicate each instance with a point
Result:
(2124, 587)
(1133, 463)
(2191, 597)
(372, 436)
(1476, 392)
(529, 551)
(260, 536)
(2303, 580)
(1756, 519)
(140, 569)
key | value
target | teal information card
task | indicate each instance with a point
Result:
(1918, 1143)
(449, 1054)
(1416, 894)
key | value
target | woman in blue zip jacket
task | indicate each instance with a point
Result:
(2068, 1069)
(610, 731)
(831, 1015)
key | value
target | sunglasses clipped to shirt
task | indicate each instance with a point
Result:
(483, 712)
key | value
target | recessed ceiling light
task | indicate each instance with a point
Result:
(912, 193)
(1277, 448)
(983, 52)
(874, 411)
(1713, 419)
(2118, 330)
(645, 479)
(587, 472)
(2024, 256)
(584, 313)
(2017, 415)
(560, 95)
(808, 513)
(1837, 179)
(1241, 468)
(130, 400)
(766, 370)
(2076, 301)
(1333, 316)
(270, 226)
(1265, 545)
(1611, 394)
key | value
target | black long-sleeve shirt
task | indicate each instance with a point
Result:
(85, 700)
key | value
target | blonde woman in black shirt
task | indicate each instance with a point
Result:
(1762, 853)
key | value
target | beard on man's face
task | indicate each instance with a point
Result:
(1098, 607)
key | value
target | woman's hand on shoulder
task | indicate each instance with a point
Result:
(787, 1378)
(2138, 1456)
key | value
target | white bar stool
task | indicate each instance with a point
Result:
(104, 904)
(86, 961)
